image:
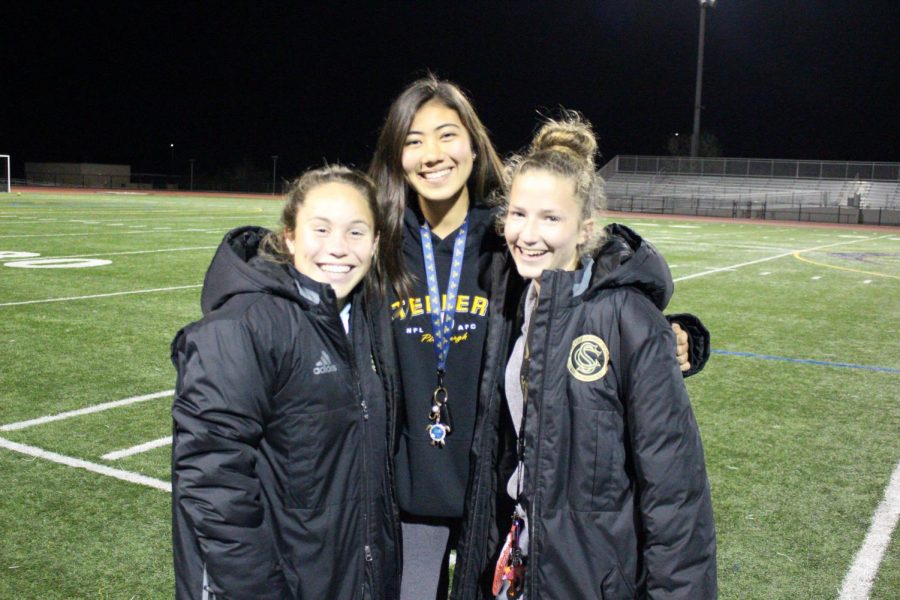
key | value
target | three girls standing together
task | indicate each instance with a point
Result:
(389, 371)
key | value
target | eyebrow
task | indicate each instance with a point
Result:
(540, 211)
(353, 222)
(439, 127)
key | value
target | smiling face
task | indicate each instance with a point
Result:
(543, 226)
(334, 240)
(437, 155)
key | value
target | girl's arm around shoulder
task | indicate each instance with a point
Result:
(693, 338)
(220, 412)
(676, 519)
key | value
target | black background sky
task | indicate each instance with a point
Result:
(228, 82)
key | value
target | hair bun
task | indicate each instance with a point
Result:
(571, 135)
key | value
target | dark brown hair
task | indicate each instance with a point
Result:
(387, 169)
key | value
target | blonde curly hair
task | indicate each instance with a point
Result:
(564, 147)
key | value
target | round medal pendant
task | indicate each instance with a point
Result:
(438, 433)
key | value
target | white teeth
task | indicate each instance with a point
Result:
(532, 253)
(335, 268)
(436, 174)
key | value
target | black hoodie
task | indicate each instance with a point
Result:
(279, 460)
(431, 482)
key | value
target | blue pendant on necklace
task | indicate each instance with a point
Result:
(438, 433)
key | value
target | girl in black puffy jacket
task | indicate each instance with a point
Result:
(279, 461)
(593, 464)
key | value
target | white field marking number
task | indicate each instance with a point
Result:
(58, 263)
(29, 260)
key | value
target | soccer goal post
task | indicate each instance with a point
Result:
(5, 174)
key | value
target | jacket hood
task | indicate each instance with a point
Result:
(626, 259)
(237, 268)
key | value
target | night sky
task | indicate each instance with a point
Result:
(233, 82)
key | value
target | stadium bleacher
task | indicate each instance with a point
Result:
(756, 188)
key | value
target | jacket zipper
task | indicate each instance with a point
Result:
(392, 422)
(530, 586)
(364, 409)
(367, 549)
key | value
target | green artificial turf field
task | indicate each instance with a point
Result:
(799, 406)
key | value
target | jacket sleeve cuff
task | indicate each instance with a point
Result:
(698, 340)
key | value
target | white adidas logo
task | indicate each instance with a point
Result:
(324, 365)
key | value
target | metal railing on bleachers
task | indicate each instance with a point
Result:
(829, 191)
(757, 167)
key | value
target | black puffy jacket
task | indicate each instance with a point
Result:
(615, 484)
(279, 462)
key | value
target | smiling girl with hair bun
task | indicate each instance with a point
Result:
(589, 432)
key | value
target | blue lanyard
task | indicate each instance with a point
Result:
(442, 319)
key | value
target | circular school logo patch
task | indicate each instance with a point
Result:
(588, 358)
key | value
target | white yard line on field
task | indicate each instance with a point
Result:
(145, 447)
(109, 295)
(85, 411)
(682, 244)
(43, 235)
(118, 232)
(859, 579)
(135, 252)
(775, 257)
(88, 466)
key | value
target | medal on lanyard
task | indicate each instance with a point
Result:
(439, 422)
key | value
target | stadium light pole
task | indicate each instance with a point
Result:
(695, 136)
(191, 160)
(274, 165)
(171, 163)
